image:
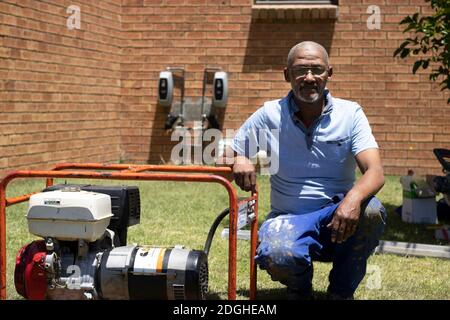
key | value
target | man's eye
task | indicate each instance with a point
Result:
(304, 70)
(317, 70)
(300, 71)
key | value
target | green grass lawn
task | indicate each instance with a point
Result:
(182, 213)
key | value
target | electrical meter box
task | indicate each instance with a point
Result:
(165, 88)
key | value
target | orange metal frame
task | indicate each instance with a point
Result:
(137, 172)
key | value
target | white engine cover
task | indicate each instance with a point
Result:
(69, 214)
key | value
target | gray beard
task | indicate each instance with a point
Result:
(313, 100)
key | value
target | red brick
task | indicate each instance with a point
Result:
(408, 10)
(350, 52)
(422, 137)
(396, 86)
(442, 138)
(78, 86)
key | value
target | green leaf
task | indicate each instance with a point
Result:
(407, 19)
(417, 65)
(404, 53)
(410, 27)
(412, 40)
(430, 38)
(399, 49)
(404, 44)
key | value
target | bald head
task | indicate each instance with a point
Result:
(307, 46)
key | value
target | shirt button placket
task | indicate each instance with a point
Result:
(309, 139)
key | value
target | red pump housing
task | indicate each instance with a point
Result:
(29, 275)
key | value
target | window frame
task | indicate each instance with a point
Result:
(305, 2)
(295, 10)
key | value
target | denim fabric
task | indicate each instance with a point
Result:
(290, 243)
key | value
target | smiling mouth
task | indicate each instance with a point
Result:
(309, 89)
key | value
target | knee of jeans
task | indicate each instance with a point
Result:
(280, 262)
(276, 254)
(374, 215)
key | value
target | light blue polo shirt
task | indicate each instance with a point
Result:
(311, 165)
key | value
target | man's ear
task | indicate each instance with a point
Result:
(330, 71)
(286, 74)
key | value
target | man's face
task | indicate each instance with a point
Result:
(308, 74)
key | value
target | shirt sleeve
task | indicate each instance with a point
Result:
(362, 137)
(246, 140)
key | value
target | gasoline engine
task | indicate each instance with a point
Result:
(84, 254)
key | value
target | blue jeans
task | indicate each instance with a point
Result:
(289, 243)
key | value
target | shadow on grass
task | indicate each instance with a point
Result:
(265, 294)
(281, 294)
(398, 230)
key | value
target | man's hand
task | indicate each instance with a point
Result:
(244, 173)
(345, 220)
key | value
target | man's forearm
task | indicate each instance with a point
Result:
(230, 158)
(368, 185)
(243, 169)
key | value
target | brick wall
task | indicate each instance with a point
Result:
(408, 113)
(59, 88)
(99, 83)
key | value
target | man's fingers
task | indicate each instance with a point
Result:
(341, 231)
(238, 180)
(334, 225)
(244, 173)
(330, 224)
(247, 181)
(344, 223)
(350, 231)
(253, 181)
(347, 232)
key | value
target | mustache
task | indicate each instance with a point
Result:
(309, 87)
